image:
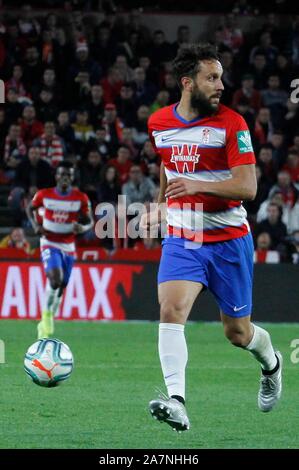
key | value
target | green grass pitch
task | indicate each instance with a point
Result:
(104, 403)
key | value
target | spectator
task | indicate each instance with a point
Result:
(45, 106)
(272, 225)
(266, 48)
(248, 91)
(259, 70)
(113, 125)
(275, 98)
(13, 106)
(263, 252)
(183, 37)
(32, 174)
(16, 82)
(162, 99)
(286, 187)
(171, 86)
(83, 129)
(263, 187)
(267, 163)
(16, 239)
(145, 91)
(109, 188)
(31, 128)
(140, 134)
(126, 104)
(138, 188)
(14, 150)
(111, 84)
(14, 145)
(32, 70)
(90, 172)
(52, 147)
(161, 50)
(100, 143)
(122, 163)
(83, 62)
(65, 131)
(127, 73)
(292, 166)
(263, 128)
(95, 106)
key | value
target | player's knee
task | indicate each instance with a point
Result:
(172, 312)
(55, 283)
(238, 337)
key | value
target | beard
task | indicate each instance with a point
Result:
(200, 103)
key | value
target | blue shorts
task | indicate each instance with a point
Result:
(55, 258)
(225, 268)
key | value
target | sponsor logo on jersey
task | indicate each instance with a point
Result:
(60, 217)
(244, 142)
(205, 136)
(185, 157)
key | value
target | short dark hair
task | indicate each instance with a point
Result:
(65, 164)
(187, 60)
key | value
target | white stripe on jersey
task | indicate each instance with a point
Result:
(198, 220)
(56, 205)
(218, 175)
(57, 228)
(191, 135)
(68, 247)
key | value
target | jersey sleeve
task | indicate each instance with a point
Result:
(37, 200)
(239, 148)
(150, 133)
(85, 204)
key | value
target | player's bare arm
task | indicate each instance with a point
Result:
(30, 210)
(159, 214)
(86, 224)
(241, 186)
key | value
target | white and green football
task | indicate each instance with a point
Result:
(48, 362)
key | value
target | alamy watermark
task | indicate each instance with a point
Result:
(294, 98)
(127, 220)
(2, 352)
(295, 353)
(2, 92)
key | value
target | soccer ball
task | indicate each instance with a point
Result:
(48, 362)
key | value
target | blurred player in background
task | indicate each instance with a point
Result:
(207, 158)
(64, 206)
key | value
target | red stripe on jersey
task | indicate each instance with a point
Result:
(210, 203)
(209, 236)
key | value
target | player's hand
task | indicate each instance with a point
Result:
(179, 187)
(78, 228)
(148, 220)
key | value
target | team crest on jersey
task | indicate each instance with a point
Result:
(205, 136)
(185, 157)
(60, 217)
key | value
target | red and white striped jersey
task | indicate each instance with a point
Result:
(60, 212)
(203, 149)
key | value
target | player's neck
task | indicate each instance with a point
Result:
(185, 111)
(63, 191)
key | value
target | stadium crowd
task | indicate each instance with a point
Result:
(81, 89)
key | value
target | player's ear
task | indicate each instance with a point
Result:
(187, 83)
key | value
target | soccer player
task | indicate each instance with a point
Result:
(63, 206)
(207, 170)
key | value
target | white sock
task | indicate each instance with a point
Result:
(261, 348)
(50, 297)
(173, 356)
(56, 303)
